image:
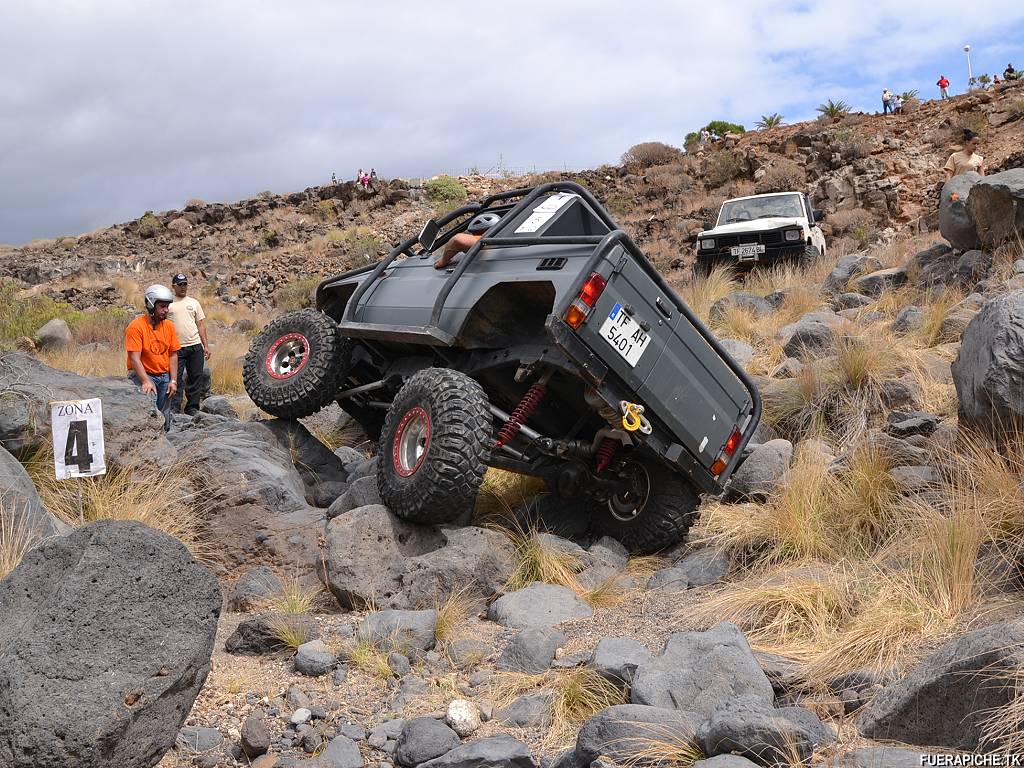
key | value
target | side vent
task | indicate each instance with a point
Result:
(552, 263)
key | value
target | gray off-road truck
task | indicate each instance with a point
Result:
(551, 348)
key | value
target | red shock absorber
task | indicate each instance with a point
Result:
(604, 454)
(521, 413)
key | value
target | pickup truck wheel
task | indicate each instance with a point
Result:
(810, 256)
(296, 364)
(655, 513)
(436, 436)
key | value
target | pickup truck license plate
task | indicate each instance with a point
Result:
(625, 335)
(747, 252)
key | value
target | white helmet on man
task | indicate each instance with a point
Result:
(155, 293)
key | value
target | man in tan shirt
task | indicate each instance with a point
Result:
(967, 159)
(190, 322)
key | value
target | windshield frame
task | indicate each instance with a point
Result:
(759, 201)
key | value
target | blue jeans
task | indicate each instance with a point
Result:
(161, 381)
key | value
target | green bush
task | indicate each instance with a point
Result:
(650, 153)
(783, 175)
(357, 241)
(149, 226)
(22, 317)
(269, 237)
(445, 189)
(325, 209)
(297, 294)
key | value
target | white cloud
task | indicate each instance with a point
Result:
(117, 107)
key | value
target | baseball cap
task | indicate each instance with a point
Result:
(178, 279)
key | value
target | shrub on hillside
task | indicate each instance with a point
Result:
(722, 167)
(325, 209)
(194, 202)
(783, 175)
(650, 153)
(851, 220)
(297, 294)
(357, 240)
(149, 226)
(673, 177)
(445, 189)
(269, 237)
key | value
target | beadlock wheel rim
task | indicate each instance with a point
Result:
(626, 507)
(412, 441)
(287, 356)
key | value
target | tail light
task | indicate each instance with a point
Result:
(579, 309)
(727, 452)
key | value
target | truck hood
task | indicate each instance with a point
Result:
(755, 225)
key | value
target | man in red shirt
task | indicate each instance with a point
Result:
(152, 346)
(943, 84)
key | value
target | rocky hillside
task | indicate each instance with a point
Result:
(881, 173)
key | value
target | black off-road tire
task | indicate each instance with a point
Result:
(809, 257)
(440, 484)
(310, 385)
(665, 516)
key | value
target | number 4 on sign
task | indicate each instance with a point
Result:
(77, 438)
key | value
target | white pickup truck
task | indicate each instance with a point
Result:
(761, 229)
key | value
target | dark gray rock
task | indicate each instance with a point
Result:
(759, 475)
(219, 405)
(811, 336)
(352, 731)
(133, 430)
(669, 580)
(610, 552)
(389, 729)
(107, 634)
(748, 302)
(195, 739)
(620, 732)
(903, 424)
(22, 504)
(399, 664)
(255, 736)
(724, 761)
(996, 207)
(990, 366)
(372, 556)
(914, 479)
(531, 650)
(908, 320)
(704, 566)
(934, 266)
(423, 739)
(972, 267)
(880, 757)
(851, 301)
(468, 653)
(538, 605)
(258, 635)
(750, 728)
(360, 493)
(848, 267)
(340, 752)
(954, 222)
(881, 280)
(253, 589)
(314, 659)
(400, 630)
(616, 659)
(943, 701)
(54, 335)
(493, 752)
(782, 672)
(698, 671)
(531, 710)
(410, 687)
(323, 475)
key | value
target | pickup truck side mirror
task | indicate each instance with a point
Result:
(818, 214)
(428, 235)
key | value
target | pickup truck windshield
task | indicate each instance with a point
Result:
(788, 206)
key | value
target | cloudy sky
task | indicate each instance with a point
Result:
(108, 109)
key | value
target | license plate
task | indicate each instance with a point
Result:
(747, 252)
(625, 335)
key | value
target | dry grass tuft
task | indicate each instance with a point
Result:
(295, 598)
(703, 291)
(16, 537)
(369, 659)
(1003, 727)
(289, 629)
(660, 746)
(501, 493)
(453, 614)
(225, 363)
(606, 594)
(538, 560)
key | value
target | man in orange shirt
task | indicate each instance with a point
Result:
(152, 346)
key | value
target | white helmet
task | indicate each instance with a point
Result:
(155, 293)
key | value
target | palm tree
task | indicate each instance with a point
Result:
(984, 80)
(833, 109)
(770, 121)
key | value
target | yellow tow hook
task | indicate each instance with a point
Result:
(633, 418)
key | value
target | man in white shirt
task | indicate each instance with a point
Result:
(190, 323)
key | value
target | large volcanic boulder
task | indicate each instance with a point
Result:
(996, 207)
(954, 222)
(105, 641)
(989, 369)
(19, 500)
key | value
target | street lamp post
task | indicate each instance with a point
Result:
(970, 74)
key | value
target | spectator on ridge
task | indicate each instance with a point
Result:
(373, 174)
(152, 346)
(943, 84)
(997, 80)
(359, 176)
(886, 101)
(334, 179)
(966, 159)
(1009, 73)
(190, 324)
(897, 104)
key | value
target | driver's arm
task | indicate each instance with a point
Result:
(460, 243)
